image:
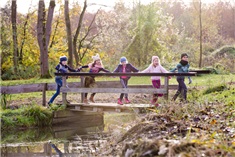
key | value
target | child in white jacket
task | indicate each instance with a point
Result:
(155, 67)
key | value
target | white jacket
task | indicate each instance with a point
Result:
(152, 69)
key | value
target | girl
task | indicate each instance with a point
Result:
(124, 67)
(62, 67)
(155, 67)
(94, 67)
(182, 67)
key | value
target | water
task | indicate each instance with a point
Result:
(51, 142)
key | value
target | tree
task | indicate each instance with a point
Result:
(200, 28)
(14, 35)
(43, 35)
(78, 32)
(69, 32)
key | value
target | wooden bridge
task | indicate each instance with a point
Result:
(115, 87)
(101, 87)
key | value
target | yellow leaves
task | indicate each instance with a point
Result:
(213, 122)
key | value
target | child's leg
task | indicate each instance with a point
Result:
(156, 84)
(92, 97)
(178, 91)
(59, 85)
(182, 88)
(184, 91)
(124, 85)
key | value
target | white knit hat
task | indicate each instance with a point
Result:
(96, 57)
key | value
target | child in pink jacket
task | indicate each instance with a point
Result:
(155, 67)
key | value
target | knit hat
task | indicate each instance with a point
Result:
(183, 54)
(123, 59)
(156, 57)
(96, 57)
(63, 58)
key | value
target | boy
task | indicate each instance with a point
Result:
(182, 67)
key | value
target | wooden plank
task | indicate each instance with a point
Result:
(26, 88)
(126, 74)
(113, 90)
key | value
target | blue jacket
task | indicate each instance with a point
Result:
(181, 69)
(129, 68)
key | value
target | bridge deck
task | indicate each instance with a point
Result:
(109, 107)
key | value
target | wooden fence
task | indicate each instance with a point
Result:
(101, 86)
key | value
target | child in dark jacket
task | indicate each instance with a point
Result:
(124, 67)
(94, 67)
(62, 67)
(182, 67)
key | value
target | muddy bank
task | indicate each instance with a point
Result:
(201, 133)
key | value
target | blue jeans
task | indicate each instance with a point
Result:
(124, 83)
(59, 85)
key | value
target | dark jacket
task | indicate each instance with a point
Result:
(64, 69)
(129, 68)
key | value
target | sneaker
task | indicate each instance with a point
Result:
(153, 101)
(120, 102)
(127, 101)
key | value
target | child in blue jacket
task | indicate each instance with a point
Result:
(124, 67)
(182, 67)
(62, 67)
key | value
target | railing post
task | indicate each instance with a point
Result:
(44, 94)
(64, 100)
(82, 85)
(166, 87)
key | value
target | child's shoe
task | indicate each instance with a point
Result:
(85, 101)
(92, 99)
(127, 101)
(120, 102)
(153, 101)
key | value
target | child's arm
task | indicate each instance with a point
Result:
(116, 70)
(177, 67)
(147, 70)
(133, 68)
(73, 70)
(163, 70)
(104, 70)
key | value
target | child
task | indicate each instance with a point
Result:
(94, 67)
(182, 67)
(155, 67)
(62, 67)
(124, 67)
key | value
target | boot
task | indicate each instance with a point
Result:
(127, 101)
(85, 101)
(92, 98)
(175, 96)
(120, 102)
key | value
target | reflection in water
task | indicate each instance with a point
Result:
(76, 141)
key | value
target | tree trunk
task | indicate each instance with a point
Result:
(14, 35)
(78, 32)
(49, 21)
(69, 33)
(200, 27)
(43, 35)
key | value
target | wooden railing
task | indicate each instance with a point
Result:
(113, 89)
(101, 86)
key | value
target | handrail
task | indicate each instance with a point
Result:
(125, 74)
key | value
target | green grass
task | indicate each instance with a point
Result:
(25, 116)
